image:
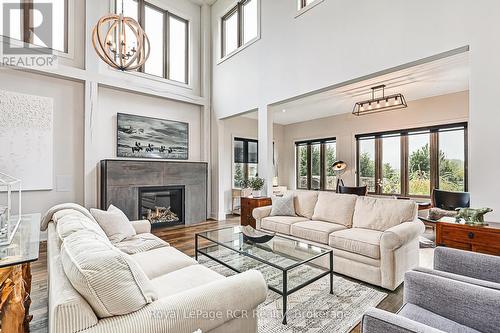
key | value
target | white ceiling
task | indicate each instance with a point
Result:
(440, 77)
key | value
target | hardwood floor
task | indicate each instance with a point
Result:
(181, 238)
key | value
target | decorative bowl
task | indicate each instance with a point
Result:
(250, 234)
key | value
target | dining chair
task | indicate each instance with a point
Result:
(357, 190)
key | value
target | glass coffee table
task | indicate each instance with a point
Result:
(288, 265)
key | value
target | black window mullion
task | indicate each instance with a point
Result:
(27, 21)
(434, 162)
(378, 165)
(405, 181)
(240, 24)
(322, 173)
(166, 45)
(309, 167)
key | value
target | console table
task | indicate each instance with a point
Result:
(466, 237)
(15, 275)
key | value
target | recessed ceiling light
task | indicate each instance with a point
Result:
(283, 110)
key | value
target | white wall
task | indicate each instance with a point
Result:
(103, 130)
(445, 109)
(341, 40)
(68, 136)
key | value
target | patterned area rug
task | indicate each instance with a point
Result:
(312, 309)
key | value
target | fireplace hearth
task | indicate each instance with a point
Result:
(162, 205)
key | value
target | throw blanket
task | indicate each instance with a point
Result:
(44, 223)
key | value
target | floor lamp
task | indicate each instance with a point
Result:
(339, 168)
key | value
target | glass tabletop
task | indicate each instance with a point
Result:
(25, 244)
(280, 252)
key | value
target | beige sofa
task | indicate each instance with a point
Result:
(375, 240)
(187, 296)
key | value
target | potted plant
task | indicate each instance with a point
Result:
(256, 184)
(246, 190)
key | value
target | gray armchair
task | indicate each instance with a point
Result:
(470, 267)
(434, 303)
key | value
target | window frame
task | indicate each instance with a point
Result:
(322, 172)
(404, 135)
(245, 141)
(141, 7)
(240, 33)
(27, 21)
(303, 7)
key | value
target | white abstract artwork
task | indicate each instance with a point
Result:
(26, 134)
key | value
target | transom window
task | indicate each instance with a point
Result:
(314, 160)
(413, 162)
(169, 38)
(26, 21)
(246, 159)
(239, 26)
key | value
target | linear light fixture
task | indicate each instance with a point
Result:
(379, 104)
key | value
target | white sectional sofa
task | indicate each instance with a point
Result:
(375, 240)
(141, 285)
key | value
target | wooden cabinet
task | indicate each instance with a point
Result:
(465, 237)
(248, 205)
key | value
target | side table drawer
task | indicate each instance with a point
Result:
(470, 235)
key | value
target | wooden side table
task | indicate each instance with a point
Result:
(248, 205)
(15, 275)
(466, 237)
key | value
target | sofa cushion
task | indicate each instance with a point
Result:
(316, 231)
(70, 221)
(183, 279)
(426, 317)
(356, 240)
(109, 280)
(382, 214)
(336, 208)
(304, 202)
(280, 224)
(162, 261)
(114, 222)
(140, 243)
(282, 206)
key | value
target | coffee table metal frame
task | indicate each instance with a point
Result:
(285, 292)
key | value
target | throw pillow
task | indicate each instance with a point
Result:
(381, 214)
(74, 221)
(304, 202)
(335, 208)
(283, 206)
(110, 281)
(115, 223)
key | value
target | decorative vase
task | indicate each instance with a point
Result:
(257, 194)
(246, 192)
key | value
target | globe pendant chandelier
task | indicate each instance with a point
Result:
(121, 42)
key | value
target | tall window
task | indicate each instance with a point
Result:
(239, 26)
(314, 160)
(169, 38)
(246, 159)
(26, 16)
(413, 162)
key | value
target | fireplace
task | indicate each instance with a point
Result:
(162, 205)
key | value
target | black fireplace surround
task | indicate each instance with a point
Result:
(162, 205)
